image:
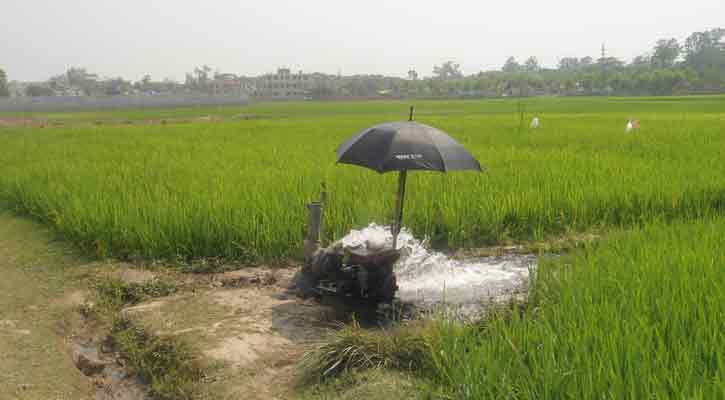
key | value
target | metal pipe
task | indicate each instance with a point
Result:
(397, 225)
(312, 241)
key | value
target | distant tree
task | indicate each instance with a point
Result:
(532, 64)
(448, 70)
(115, 86)
(190, 81)
(58, 82)
(75, 76)
(699, 43)
(82, 79)
(511, 65)
(4, 90)
(413, 75)
(568, 63)
(610, 62)
(145, 85)
(705, 53)
(586, 61)
(666, 52)
(202, 75)
(641, 61)
(38, 90)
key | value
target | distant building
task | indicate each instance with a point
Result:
(226, 84)
(283, 85)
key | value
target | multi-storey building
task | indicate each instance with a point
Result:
(283, 85)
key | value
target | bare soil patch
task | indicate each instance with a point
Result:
(246, 324)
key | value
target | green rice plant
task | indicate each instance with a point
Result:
(639, 315)
(235, 188)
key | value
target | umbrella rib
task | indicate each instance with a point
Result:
(435, 146)
(387, 154)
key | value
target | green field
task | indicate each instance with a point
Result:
(637, 315)
(127, 184)
(640, 313)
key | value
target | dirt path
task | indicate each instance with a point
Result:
(37, 296)
(249, 330)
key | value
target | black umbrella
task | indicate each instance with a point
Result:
(403, 146)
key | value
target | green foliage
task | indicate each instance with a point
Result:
(163, 362)
(354, 349)
(235, 189)
(373, 384)
(166, 364)
(666, 52)
(448, 70)
(4, 90)
(115, 293)
(38, 90)
(640, 315)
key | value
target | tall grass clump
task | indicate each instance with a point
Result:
(355, 349)
(168, 366)
(639, 315)
(235, 188)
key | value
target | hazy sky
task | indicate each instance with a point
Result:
(166, 38)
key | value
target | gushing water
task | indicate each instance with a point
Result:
(426, 277)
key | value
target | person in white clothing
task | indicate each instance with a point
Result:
(535, 123)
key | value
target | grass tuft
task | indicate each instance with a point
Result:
(353, 348)
(166, 364)
(114, 294)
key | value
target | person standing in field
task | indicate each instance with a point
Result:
(535, 123)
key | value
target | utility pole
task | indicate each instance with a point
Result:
(603, 62)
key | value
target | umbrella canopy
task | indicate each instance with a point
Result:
(402, 146)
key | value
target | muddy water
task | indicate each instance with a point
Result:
(427, 278)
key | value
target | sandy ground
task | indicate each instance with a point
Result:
(248, 324)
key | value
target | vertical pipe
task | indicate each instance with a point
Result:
(323, 204)
(312, 241)
(397, 225)
(315, 221)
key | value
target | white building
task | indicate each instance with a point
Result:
(283, 85)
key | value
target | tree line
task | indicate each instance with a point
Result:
(671, 67)
(696, 65)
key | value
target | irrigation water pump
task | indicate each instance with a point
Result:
(367, 271)
(351, 272)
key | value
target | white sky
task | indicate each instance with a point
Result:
(165, 38)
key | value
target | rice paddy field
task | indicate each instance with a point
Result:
(639, 313)
(231, 183)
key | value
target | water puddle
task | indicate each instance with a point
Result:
(428, 278)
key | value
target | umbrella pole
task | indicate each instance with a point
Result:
(398, 224)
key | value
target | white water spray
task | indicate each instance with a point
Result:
(426, 277)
